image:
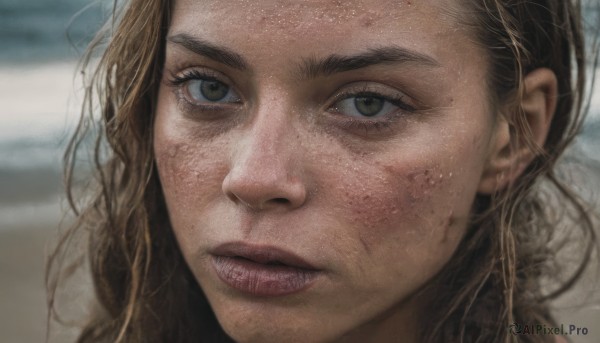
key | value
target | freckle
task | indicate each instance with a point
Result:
(367, 22)
(173, 151)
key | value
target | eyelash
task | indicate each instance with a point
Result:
(189, 75)
(348, 122)
(178, 82)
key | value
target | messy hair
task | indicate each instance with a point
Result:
(503, 271)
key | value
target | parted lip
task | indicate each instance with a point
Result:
(263, 254)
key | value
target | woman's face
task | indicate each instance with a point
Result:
(320, 159)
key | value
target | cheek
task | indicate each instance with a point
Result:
(178, 167)
(179, 176)
(409, 203)
(190, 172)
(393, 210)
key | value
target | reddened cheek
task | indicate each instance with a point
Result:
(401, 203)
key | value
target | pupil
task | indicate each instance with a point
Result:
(213, 90)
(368, 105)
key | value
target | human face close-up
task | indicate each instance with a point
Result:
(320, 159)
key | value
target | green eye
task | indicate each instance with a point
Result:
(204, 90)
(213, 90)
(366, 106)
(369, 106)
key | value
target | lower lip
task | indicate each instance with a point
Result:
(259, 279)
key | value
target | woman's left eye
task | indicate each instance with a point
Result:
(367, 106)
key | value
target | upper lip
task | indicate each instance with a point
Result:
(262, 254)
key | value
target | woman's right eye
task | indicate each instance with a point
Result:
(200, 89)
(203, 91)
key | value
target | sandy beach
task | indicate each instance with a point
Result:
(22, 258)
(34, 122)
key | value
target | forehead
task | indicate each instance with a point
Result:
(317, 22)
(292, 13)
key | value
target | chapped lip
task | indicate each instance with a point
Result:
(268, 255)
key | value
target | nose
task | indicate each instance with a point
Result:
(265, 169)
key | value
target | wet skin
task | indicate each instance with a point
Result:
(366, 171)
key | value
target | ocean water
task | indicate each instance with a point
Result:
(39, 95)
(39, 102)
(37, 31)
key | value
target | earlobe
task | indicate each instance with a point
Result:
(521, 136)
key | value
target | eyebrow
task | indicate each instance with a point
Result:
(333, 64)
(310, 67)
(214, 52)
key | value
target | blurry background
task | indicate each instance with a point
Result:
(39, 102)
(39, 106)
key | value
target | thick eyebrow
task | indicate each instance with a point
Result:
(206, 49)
(312, 67)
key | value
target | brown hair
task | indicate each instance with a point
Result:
(143, 286)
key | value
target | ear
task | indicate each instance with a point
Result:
(513, 148)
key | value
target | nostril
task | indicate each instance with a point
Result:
(263, 194)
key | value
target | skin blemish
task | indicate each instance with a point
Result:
(447, 225)
(367, 21)
(421, 183)
(364, 243)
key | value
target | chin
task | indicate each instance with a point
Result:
(269, 332)
(274, 325)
